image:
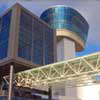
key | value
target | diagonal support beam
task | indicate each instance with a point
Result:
(72, 68)
(58, 70)
(98, 60)
(89, 64)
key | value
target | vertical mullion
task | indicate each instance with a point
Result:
(32, 40)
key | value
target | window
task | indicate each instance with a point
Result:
(66, 18)
(25, 36)
(49, 46)
(4, 34)
(0, 24)
(35, 40)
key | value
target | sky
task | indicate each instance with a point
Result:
(90, 9)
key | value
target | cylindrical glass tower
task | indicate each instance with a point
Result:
(71, 31)
(68, 23)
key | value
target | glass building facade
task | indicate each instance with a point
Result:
(36, 40)
(25, 36)
(4, 34)
(62, 17)
(0, 24)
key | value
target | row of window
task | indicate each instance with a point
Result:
(0, 24)
(35, 40)
(25, 37)
(66, 18)
(4, 34)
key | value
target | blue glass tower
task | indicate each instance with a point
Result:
(71, 32)
(65, 18)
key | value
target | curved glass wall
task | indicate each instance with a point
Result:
(61, 17)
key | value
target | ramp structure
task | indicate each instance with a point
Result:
(81, 69)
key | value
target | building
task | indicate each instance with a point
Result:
(71, 31)
(25, 40)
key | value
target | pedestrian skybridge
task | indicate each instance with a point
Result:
(81, 69)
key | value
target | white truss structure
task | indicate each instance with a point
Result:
(80, 69)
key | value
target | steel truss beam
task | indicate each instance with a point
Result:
(80, 69)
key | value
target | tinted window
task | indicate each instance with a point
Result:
(25, 36)
(4, 34)
(66, 18)
(35, 40)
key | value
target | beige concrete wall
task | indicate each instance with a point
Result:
(65, 49)
(79, 43)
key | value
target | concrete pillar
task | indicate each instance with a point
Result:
(50, 93)
(65, 49)
(10, 82)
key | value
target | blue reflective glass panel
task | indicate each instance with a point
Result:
(38, 41)
(49, 46)
(4, 34)
(0, 24)
(25, 36)
(35, 40)
(61, 17)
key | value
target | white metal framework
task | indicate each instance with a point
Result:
(81, 69)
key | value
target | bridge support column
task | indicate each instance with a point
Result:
(50, 93)
(10, 82)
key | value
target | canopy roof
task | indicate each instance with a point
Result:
(80, 69)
